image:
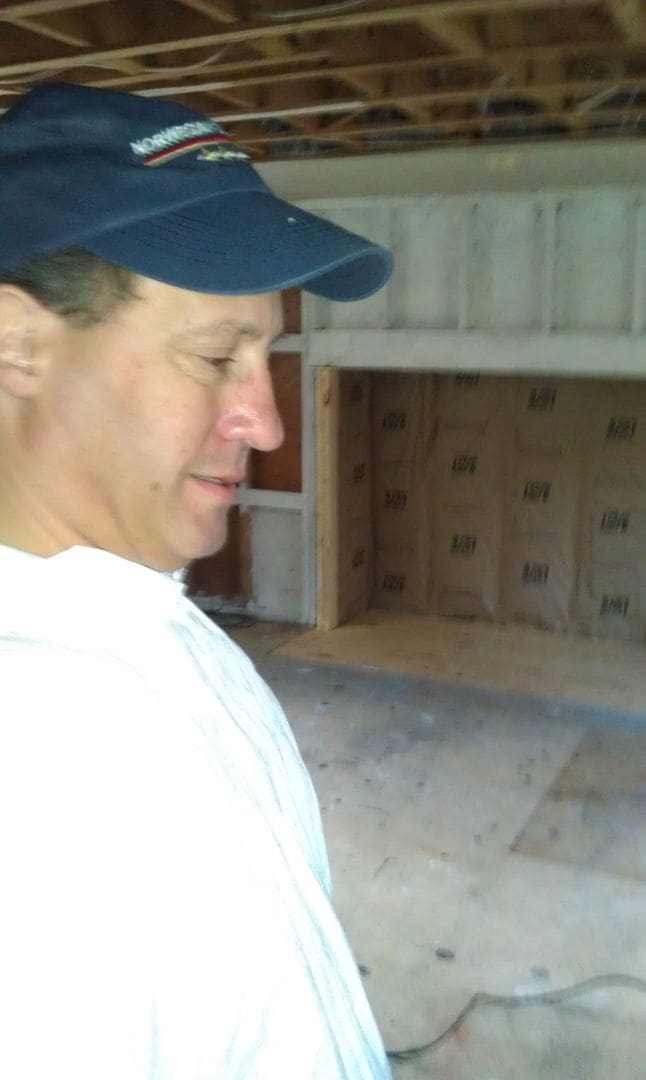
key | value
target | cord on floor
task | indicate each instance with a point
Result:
(516, 1001)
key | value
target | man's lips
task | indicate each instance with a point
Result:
(223, 487)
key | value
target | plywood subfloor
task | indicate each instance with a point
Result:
(581, 670)
(424, 787)
(593, 815)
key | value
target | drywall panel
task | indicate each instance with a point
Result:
(429, 239)
(594, 262)
(506, 258)
(372, 221)
(277, 564)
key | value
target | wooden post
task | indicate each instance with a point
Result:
(327, 472)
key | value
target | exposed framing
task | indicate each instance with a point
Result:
(383, 76)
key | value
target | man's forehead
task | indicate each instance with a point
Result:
(254, 314)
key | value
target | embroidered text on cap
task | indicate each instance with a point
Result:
(183, 138)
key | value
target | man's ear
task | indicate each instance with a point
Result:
(20, 316)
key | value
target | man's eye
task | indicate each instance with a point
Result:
(216, 361)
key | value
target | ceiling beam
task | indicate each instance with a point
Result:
(46, 31)
(255, 33)
(43, 7)
(527, 53)
(471, 94)
(222, 11)
(366, 85)
(233, 67)
(225, 12)
(623, 117)
(457, 34)
(629, 17)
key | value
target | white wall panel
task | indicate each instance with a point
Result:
(428, 240)
(277, 564)
(594, 262)
(489, 352)
(372, 313)
(506, 259)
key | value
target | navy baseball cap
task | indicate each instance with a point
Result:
(161, 190)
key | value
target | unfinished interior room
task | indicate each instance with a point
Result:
(441, 573)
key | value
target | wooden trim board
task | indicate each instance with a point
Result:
(327, 473)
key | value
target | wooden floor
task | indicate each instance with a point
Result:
(577, 669)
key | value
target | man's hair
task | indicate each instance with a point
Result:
(74, 283)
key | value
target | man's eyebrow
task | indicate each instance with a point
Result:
(232, 326)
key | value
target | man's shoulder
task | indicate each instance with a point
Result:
(39, 668)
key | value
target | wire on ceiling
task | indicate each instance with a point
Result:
(57, 69)
(310, 12)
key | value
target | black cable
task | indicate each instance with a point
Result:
(230, 620)
(516, 1001)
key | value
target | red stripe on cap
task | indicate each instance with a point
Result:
(182, 148)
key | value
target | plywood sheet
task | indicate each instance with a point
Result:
(603, 674)
(219, 574)
(593, 815)
(292, 310)
(280, 470)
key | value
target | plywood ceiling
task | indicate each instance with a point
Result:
(354, 76)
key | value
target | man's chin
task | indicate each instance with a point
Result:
(211, 545)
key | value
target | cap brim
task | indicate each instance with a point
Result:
(244, 243)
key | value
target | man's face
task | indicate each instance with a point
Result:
(141, 428)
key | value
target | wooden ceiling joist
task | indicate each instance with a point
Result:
(484, 94)
(257, 32)
(454, 33)
(220, 70)
(630, 17)
(43, 30)
(33, 8)
(436, 128)
(458, 69)
(496, 58)
(222, 11)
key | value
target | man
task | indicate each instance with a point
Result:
(164, 902)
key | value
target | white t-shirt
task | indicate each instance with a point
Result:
(164, 885)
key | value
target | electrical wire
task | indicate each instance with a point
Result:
(517, 1001)
(311, 12)
(230, 621)
(174, 69)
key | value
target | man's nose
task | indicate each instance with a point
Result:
(252, 416)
